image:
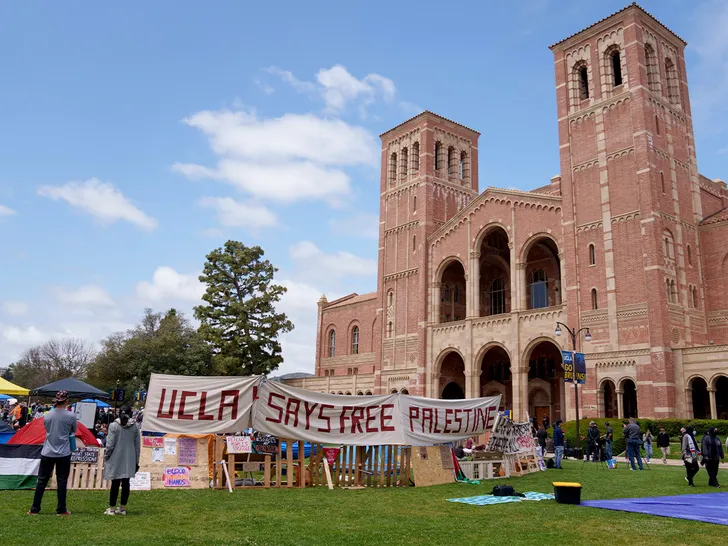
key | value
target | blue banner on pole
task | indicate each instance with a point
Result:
(580, 368)
(568, 358)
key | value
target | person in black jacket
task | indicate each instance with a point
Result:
(663, 442)
(592, 440)
(712, 450)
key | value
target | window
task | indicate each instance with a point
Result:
(356, 371)
(414, 243)
(414, 204)
(651, 63)
(539, 289)
(355, 340)
(657, 124)
(389, 329)
(594, 301)
(455, 295)
(616, 68)
(451, 161)
(447, 318)
(592, 255)
(332, 343)
(393, 167)
(669, 245)
(583, 75)
(662, 181)
(669, 291)
(349, 372)
(446, 294)
(403, 163)
(673, 292)
(690, 256)
(416, 156)
(694, 297)
(438, 154)
(390, 298)
(497, 297)
(673, 94)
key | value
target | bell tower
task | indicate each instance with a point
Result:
(429, 173)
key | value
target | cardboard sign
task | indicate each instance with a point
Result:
(142, 481)
(178, 476)
(187, 452)
(86, 413)
(252, 467)
(152, 441)
(157, 455)
(239, 444)
(510, 437)
(331, 453)
(170, 446)
(85, 455)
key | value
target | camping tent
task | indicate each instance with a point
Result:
(35, 433)
(75, 387)
(6, 432)
(6, 387)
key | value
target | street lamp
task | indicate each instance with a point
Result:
(574, 336)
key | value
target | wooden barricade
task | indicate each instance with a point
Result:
(486, 466)
(85, 475)
(278, 470)
(363, 466)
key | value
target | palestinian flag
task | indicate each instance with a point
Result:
(19, 465)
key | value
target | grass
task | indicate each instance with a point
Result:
(395, 516)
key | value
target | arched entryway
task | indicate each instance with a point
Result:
(546, 392)
(543, 274)
(452, 377)
(701, 399)
(609, 399)
(629, 398)
(452, 292)
(495, 273)
(495, 376)
(721, 398)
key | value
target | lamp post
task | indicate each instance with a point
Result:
(574, 336)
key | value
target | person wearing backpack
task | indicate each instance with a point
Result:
(690, 454)
(121, 460)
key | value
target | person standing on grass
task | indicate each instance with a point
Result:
(633, 438)
(541, 436)
(60, 425)
(121, 460)
(712, 449)
(592, 440)
(689, 454)
(663, 442)
(608, 440)
(558, 444)
(647, 442)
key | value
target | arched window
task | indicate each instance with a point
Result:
(592, 255)
(662, 181)
(673, 93)
(651, 64)
(690, 255)
(368, 393)
(583, 81)
(390, 327)
(438, 156)
(497, 296)
(539, 289)
(332, 343)
(669, 291)
(451, 161)
(393, 167)
(694, 297)
(416, 156)
(464, 165)
(669, 245)
(594, 300)
(616, 62)
(355, 340)
(657, 124)
(404, 162)
(414, 204)
(455, 295)
(414, 243)
(390, 298)
(673, 292)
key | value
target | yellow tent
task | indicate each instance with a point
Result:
(6, 387)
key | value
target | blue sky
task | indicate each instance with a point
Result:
(137, 137)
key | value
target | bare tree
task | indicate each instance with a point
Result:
(53, 360)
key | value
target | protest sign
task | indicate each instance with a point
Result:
(265, 446)
(85, 455)
(187, 451)
(239, 444)
(184, 404)
(170, 446)
(142, 481)
(509, 437)
(152, 441)
(178, 476)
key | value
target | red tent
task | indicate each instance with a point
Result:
(35, 433)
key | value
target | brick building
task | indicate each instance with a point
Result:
(629, 241)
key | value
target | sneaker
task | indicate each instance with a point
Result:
(64, 514)
(31, 513)
(109, 512)
(121, 511)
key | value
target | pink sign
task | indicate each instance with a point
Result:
(178, 476)
(152, 441)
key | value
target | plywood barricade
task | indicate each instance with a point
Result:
(85, 475)
(363, 466)
(280, 469)
(199, 473)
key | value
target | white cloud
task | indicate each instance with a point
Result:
(340, 263)
(168, 284)
(232, 213)
(85, 296)
(6, 211)
(15, 308)
(287, 159)
(100, 199)
(264, 87)
(364, 225)
(22, 336)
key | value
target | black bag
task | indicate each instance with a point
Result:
(503, 491)
(550, 463)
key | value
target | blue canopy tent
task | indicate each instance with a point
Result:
(99, 403)
(4, 397)
(6, 432)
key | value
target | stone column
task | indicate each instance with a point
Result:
(689, 403)
(469, 381)
(435, 319)
(521, 285)
(713, 406)
(519, 391)
(601, 408)
(620, 404)
(435, 386)
(473, 300)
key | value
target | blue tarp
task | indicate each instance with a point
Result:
(706, 507)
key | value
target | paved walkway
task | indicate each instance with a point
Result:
(670, 462)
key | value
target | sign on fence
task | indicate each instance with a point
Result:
(85, 455)
(178, 476)
(509, 437)
(266, 446)
(152, 441)
(187, 451)
(142, 481)
(239, 444)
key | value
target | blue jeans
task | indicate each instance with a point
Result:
(558, 454)
(633, 450)
(648, 452)
(608, 449)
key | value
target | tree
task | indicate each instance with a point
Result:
(51, 361)
(8, 373)
(160, 343)
(239, 318)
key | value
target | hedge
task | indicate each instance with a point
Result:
(672, 427)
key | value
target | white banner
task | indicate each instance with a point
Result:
(288, 412)
(428, 421)
(201, 405)
(510, 437)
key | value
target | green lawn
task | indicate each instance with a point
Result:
(395, 516)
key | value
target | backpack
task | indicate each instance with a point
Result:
(503, 491)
